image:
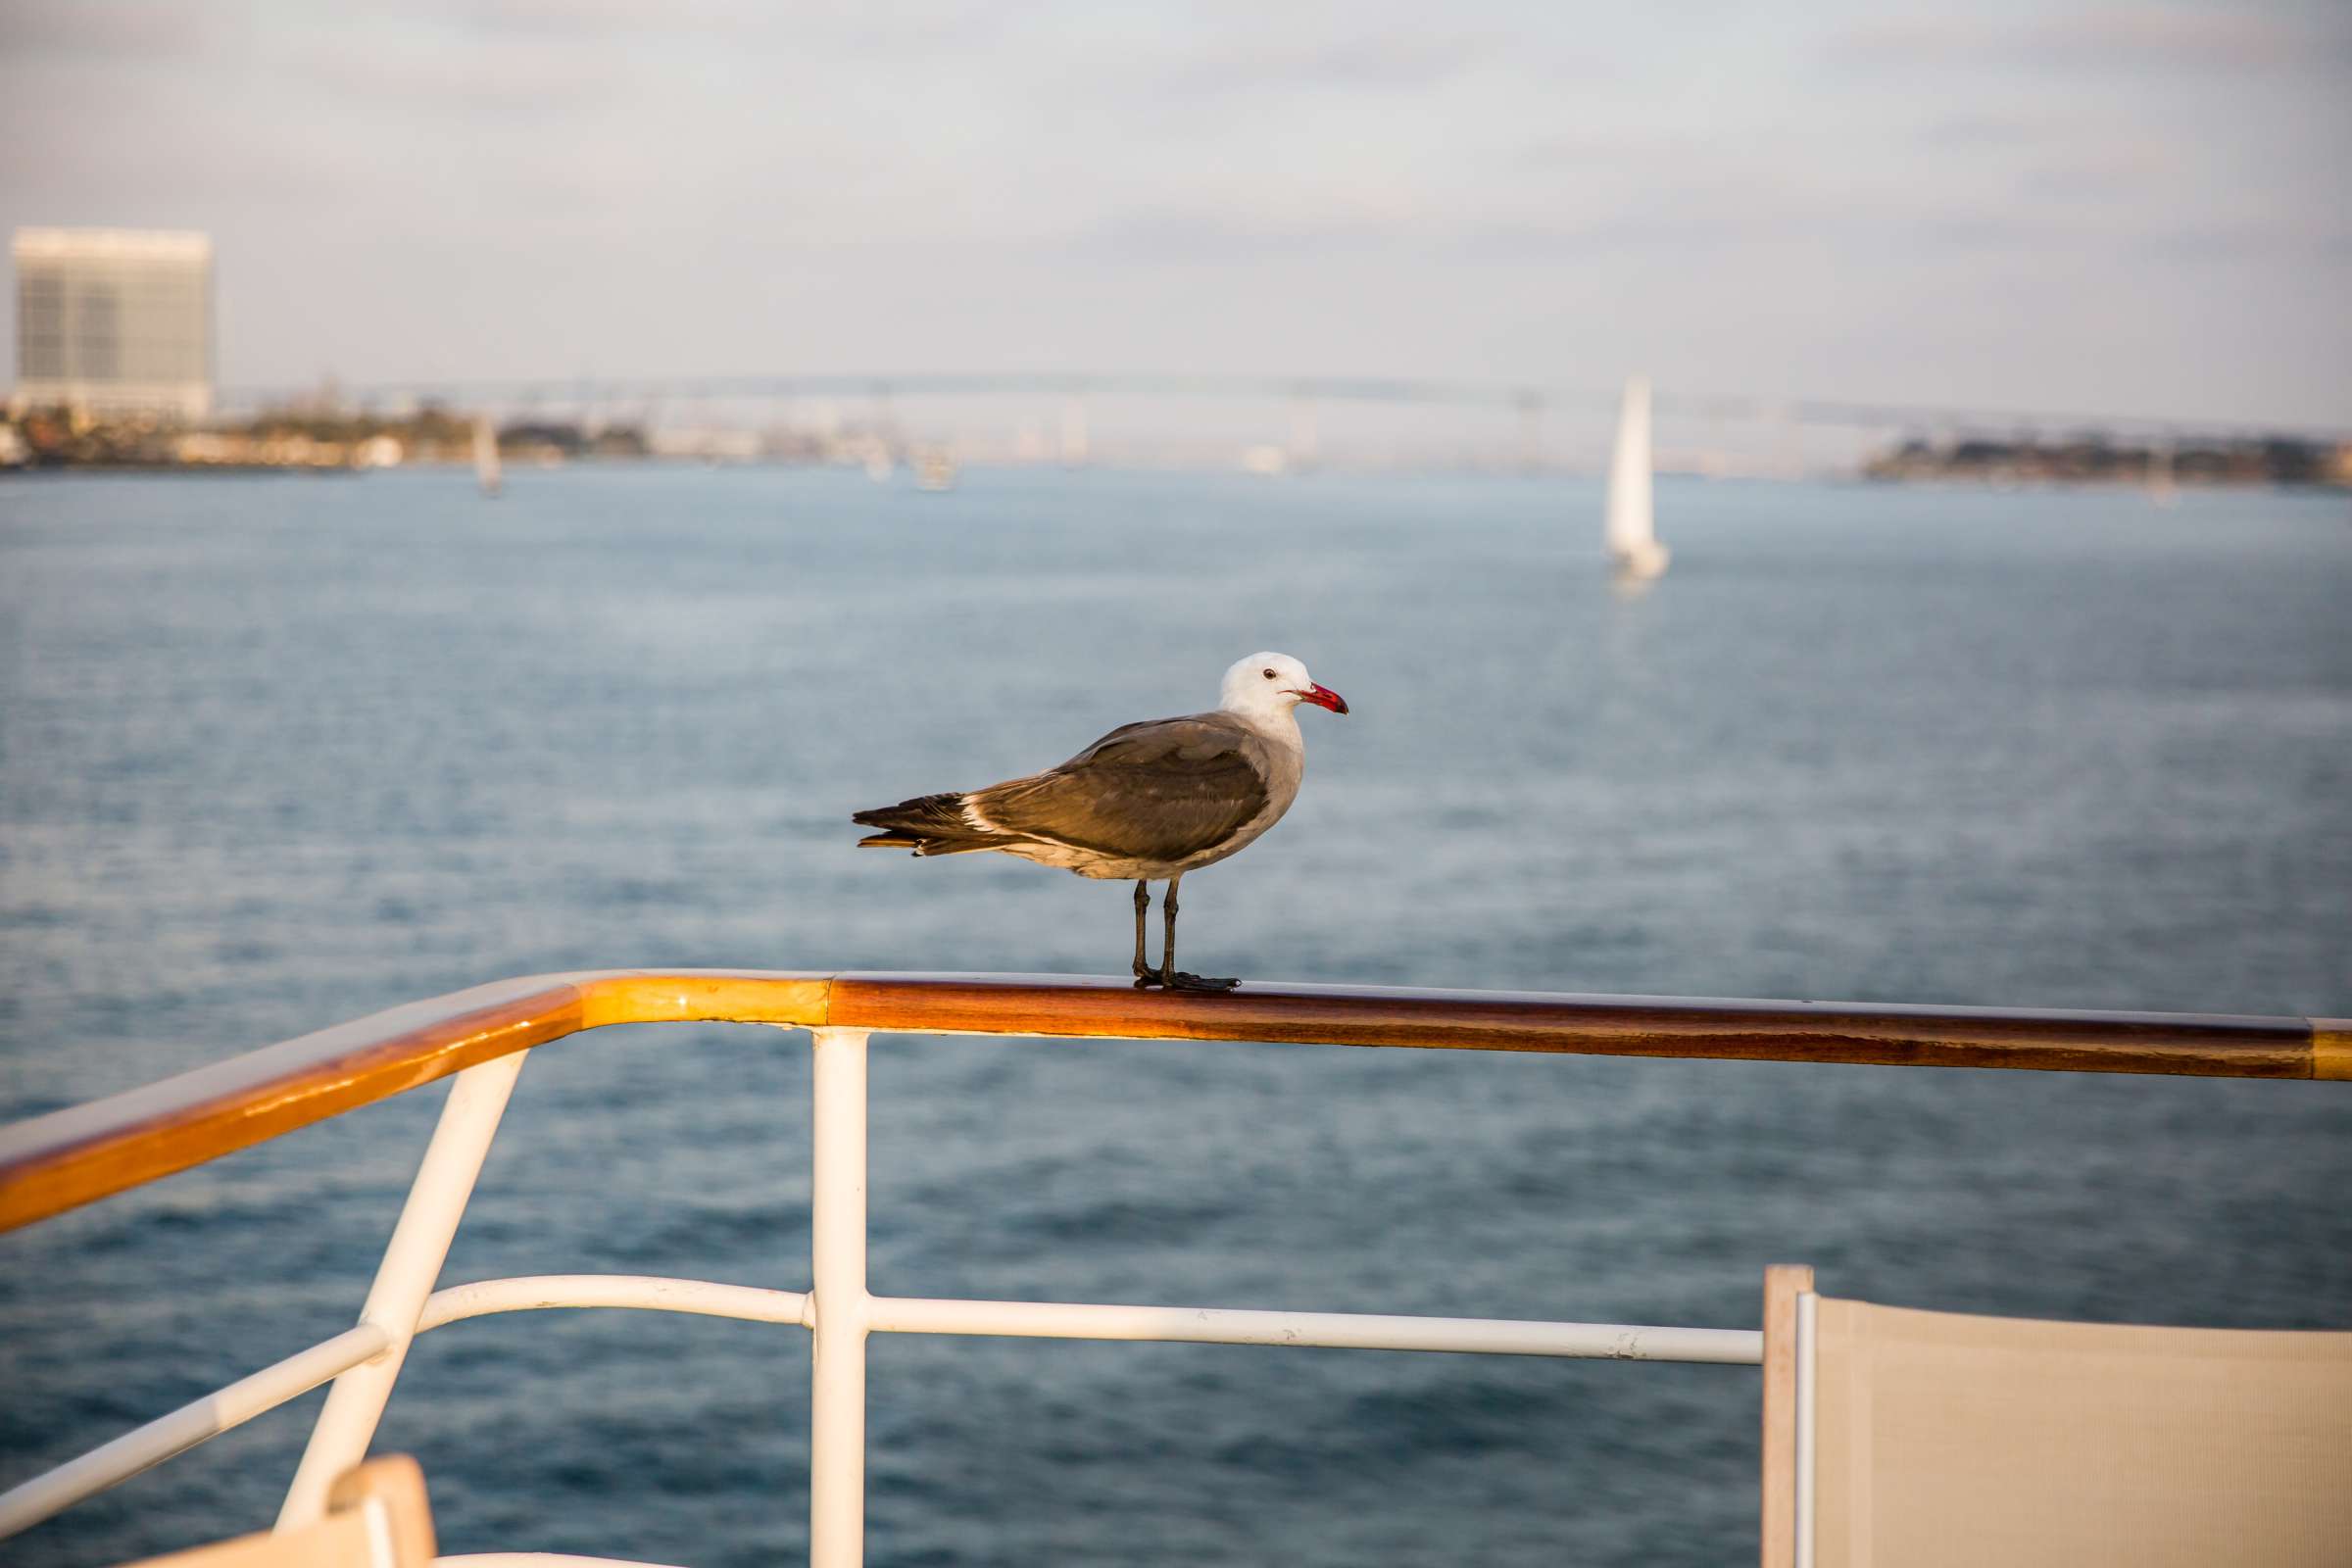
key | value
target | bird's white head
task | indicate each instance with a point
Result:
(1271, 685)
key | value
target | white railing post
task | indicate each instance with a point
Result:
(412, 1263)
(840, 1306)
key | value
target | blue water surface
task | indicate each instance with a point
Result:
(275, 752)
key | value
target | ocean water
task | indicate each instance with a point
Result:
(276, 753)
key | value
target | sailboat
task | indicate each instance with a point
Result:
(1630, 532)
(485, 456)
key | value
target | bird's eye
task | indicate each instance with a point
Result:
(1270, 674)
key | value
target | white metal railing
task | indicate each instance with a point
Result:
(365, 1361)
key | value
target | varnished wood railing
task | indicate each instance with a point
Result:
(55, 1163)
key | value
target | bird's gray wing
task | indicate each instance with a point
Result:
(1160, 790)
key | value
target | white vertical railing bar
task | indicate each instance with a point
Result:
(52, 1491)
(837, 1380)
(1805, 1422)
(412, 1263)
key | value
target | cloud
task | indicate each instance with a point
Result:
(2120, 38)
(912, 179)
(834, 25)
(108, 30)
(1201, 235)
(1979, 127)
(1345, 62)
(1965, 231)
(1682, 200)
(2142, 36)
(1698, 216)
(584, 18)
(1604, 150)
(2199, 241)
(2134, 170)
(428, 78)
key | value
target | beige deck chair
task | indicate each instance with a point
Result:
(376, 1517)
(1926, 1438)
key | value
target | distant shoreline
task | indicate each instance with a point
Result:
(2189, 462)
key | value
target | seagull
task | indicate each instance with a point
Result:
(1148, 802)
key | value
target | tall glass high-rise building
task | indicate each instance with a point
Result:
(115, 321)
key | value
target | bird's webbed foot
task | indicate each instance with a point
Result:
(1146, 977)
(1183, 981)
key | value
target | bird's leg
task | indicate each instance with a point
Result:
(1169, 975)
(1167, 934)
(1144, 974)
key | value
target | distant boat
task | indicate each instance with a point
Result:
(1631, 532)
(934, 469)
(485, 456)
(2160, 488)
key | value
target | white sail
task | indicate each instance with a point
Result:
(1630, 532)
(485, 456)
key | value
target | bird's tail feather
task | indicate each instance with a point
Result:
(928, 847)
(928, 825)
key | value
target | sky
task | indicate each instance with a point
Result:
(2125, 209)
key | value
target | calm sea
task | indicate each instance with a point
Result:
(276, 753)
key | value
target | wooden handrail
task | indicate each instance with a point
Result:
(59, 1161)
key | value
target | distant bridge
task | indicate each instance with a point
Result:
(1529, 400)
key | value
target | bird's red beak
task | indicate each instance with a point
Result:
(1324, 697)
